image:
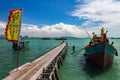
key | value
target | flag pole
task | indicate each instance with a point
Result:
(19, 42)
(19, 30)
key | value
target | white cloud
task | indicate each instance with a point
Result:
(106, 11)
(55, 30)
(2, 27)
(98, 10)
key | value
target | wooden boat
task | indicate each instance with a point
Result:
(61, 38)
(99, 51)
(22, 45)
(45, 38)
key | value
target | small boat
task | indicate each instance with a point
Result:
(99, 51)
(45, 38)
(61, 38)
(22, 45)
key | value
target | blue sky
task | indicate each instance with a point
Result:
(56, 18)
(40, 11)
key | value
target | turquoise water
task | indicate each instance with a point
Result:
(73, 67)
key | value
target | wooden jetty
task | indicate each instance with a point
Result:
(43, 68)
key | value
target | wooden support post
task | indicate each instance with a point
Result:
(58, 62)
(56, 74)
(43, 73)
(54, 77)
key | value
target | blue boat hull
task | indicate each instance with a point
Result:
(100, 54)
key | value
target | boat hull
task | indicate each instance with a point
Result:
(100, 54)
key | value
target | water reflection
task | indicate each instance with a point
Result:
(93, 72)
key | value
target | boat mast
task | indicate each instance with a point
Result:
(87, 33)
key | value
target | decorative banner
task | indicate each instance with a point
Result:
(13, 26)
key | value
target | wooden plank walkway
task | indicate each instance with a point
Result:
(32, 70)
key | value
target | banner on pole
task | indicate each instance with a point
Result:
(13, 26)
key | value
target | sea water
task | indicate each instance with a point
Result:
(74, 66)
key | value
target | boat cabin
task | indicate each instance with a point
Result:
(97, 39)
(22, 45)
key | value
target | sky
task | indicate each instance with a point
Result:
(57, 18)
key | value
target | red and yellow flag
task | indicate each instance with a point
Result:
(13, 25)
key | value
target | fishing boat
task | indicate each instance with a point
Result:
(99, 51)
(61, 38)
(45, 38)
